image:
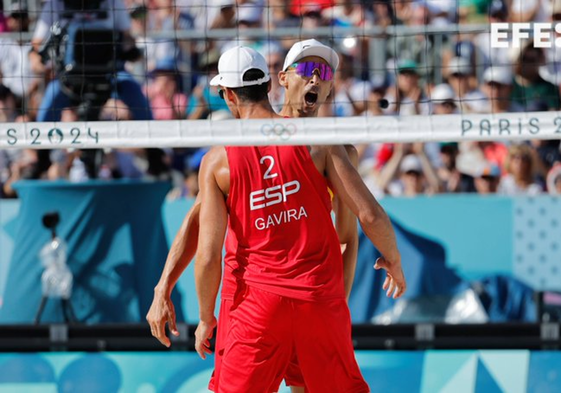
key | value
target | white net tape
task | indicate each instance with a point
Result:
(302, 131)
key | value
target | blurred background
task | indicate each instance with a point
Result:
(478, 223)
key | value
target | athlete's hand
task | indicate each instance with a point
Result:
(395, 280)
(202, 336)
(162, 312)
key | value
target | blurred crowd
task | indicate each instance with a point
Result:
(412, 72)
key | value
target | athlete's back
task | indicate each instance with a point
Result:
(279, 210)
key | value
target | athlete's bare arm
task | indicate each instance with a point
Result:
(347, 231)
(374, 221)
(214, 186)
(180, 255)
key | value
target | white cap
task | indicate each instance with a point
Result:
(442, 92)
(502, 75)
(459, 65)
(311, 48)
(411, 163)
(234, 63)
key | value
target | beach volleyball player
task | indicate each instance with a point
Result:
(186, 240)
(290, 296)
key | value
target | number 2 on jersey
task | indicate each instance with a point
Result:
(268, 174)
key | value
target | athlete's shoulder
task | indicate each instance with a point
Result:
(215, 156)
(215, 166)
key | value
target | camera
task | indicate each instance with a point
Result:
(85, 55)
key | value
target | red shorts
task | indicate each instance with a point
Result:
(293, 375)
(265, 332)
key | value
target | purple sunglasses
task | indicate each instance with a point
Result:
(307, 69)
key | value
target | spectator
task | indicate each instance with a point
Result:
(167, 102)
(22, 164)
(528, 83)
(548, 152)
(382, 14)
(153, 50)
(345, 82)
(520, 178)
(487, 180)
(249, 16)
(450, 177)
(7, 105)
(493, 57)
(346, 13)
(442, 99)
(205, 99)
(459, 76)
(278, 15)
(419, 48)
(416, 173)
(407, 97)
(376, 100)
(14, 54)
(497, 89)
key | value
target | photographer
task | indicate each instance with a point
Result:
(108, 15)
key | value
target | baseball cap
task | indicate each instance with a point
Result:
(235, 62)
(311, 47)
(443, 92)
(459, 65)
(502, 75)
(411, 163)
(406, 65)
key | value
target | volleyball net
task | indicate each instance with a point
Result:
(297, 131)
(409, 71)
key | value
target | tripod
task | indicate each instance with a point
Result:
(57, 279)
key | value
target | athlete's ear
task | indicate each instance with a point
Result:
(283, 79)
(231, 96)
(269, 84)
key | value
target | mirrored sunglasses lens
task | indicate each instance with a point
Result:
(326, 73)
(307, 69)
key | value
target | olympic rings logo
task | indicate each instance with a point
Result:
(281, 131)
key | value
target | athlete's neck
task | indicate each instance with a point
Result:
(256, 110)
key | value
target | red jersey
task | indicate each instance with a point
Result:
(281, 237)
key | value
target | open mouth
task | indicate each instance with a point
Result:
(311, 98)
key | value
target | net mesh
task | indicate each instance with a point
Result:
(119, 74)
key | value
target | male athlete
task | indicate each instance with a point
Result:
(303, 96)
(290, 296)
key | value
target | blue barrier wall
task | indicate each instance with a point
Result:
(185, 372)
(520, 237)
